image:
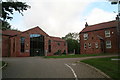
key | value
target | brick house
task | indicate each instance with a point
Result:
(99, 38)
(33, 42)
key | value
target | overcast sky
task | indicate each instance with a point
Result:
(59, 17)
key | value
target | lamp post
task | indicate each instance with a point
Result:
(118, 32)
(114, 2)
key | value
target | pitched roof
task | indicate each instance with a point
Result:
(100, 37)
(13, 33)
(56, 38)
(10, 32)
(99, 26)
(36, 28)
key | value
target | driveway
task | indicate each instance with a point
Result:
(38, 67)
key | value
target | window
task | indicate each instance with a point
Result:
(22, 44)
(64, 52)
(58, 44)
(85, 46)
(49, 42)
(107, 33)
(35, 35)
(108, 44)
(65, 44)
(49, 46)
(89, 45)
(14, 45)
(96, 45)
(85, 36)
(92, 37)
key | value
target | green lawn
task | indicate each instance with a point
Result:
(108, 66)
(76, 56)
(2, 63)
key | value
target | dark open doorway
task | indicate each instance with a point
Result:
(102, 46)
(36, 45)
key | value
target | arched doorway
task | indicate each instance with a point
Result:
(36, 45)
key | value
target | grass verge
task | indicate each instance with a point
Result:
(2, 63)
(108, 66)
(77, 55)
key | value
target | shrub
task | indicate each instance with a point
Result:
(58, 52)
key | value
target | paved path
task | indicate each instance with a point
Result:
(38, 67)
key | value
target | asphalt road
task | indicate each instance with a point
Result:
(38, 67)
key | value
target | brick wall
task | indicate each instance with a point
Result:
(93, 38)
(5, 46)
(12, 46)
(58, 45)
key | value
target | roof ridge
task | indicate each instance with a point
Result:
(101, 23)
(54, 37)
(99, 26)
(10, 32)
(34, 28)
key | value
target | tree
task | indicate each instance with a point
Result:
(74, 36)
(114, 1)
(73, 45)
(8, 9)
(5, 25)
(72, 42)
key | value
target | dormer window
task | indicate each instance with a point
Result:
(85, 36)
(107, 33)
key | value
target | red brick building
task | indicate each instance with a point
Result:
(99, 38)
(33, 42)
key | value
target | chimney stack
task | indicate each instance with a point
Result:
(86, 24)
(117, 18)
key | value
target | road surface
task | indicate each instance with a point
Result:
(38, 67)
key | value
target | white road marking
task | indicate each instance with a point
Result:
(78, 61)
(3, 66)
(73, 64)
(115, 59)
(72, 71)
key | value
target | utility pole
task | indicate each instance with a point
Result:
(115, 2)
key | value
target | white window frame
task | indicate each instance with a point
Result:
(85, 45)
(96, 45)
(107, 33)
(85, 36)
(108, 44)
(89, 45)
